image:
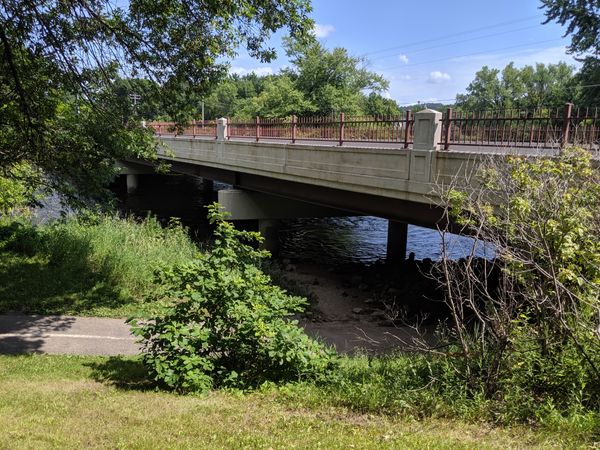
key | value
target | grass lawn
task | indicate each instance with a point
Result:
(76, 402)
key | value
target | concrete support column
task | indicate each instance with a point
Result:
(269, 230)
(396, 241)
(132, 183)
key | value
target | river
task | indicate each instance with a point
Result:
(328, 241)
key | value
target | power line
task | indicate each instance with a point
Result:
(458, 42)
(470, 54)
(474, 30)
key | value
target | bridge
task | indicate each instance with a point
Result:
(278, 173)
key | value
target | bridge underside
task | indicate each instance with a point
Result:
(359, 203)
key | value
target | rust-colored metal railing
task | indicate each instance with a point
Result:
(340, 129)
(517, 128)
(208, 128)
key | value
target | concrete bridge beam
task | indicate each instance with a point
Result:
(248, 205)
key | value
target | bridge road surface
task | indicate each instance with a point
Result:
(111, 337)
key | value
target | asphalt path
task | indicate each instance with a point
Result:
(111, 337)
(65, 335)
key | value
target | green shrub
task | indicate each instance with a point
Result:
(526, 334)
(229, 325)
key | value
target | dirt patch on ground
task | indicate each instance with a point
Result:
(350, 309)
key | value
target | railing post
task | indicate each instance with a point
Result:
(447, 130)
(566, 124)
(428, 130)
(341, 129)
(294, 124)
(257, 128)
(222, 125)
(194, 128)
(407, 128)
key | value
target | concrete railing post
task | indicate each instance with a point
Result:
(426, 142)
(428, 130)
(222, 129)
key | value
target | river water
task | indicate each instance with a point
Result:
(329, 241)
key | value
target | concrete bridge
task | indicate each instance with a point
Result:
(274, 180)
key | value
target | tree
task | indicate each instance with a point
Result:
(61, 110)
(333, 81)
(280, 98)
(377, 105)
(582, 18)
(527, 88)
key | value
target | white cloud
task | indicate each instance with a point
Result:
(403, 58)
(260, 71)
(322, 31)
(405, 77)
(437, 77)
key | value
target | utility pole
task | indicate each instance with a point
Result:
(135, 98)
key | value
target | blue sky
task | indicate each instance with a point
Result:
(430, 50)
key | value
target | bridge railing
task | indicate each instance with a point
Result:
(517, 128)
(207, 128)
(396, 130)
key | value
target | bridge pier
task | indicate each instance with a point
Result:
(132, 183)
(208, 190)
(269, 230)
(396, 241)
(267, 210)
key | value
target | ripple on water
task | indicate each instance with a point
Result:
(363, 239)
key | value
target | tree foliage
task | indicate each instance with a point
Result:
(333, 80)
(527, 88)
(61, 61)
(582, 18)
(228, 326)
(319, 82)
(279, 98)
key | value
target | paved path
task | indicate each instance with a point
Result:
(100, 336)
(65, 335)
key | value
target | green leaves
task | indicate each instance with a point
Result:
(228, 326)
(65, 108)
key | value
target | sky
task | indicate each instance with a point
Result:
(429, 51)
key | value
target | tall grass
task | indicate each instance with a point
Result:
(100, 265)
(125, 251)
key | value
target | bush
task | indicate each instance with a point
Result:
(229, 325)
(525, 326)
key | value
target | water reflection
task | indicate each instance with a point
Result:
(364, 239)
